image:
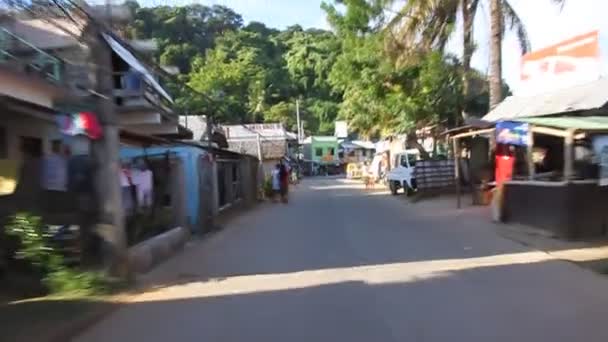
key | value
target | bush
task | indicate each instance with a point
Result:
(36, 249)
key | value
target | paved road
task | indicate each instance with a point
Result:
(342, 264)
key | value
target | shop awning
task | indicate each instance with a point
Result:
(589, 96)
(130, 59)
(587, 123)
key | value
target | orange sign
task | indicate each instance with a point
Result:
(573, 61)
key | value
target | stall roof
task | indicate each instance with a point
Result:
(589, 96)
(588, 123)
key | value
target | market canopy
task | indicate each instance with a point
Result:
(587, 123)
(586, 97)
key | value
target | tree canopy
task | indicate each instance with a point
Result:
(254, 73)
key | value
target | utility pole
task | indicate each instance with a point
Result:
(298, 120)
(259, 141)
(106, 154)
(208, 181)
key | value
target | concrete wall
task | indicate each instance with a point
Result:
(28, 88)
(21, 125)
(571, 211)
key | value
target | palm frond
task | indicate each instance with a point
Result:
(559, 3)
(421, 25)
(514, 23)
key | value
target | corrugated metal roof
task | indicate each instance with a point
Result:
(196, 124)
(355, 144)
(251, 131)
(584, 97)
(588, 123)
(134, 63)
(324, 139)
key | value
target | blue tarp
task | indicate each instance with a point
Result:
(189, 156)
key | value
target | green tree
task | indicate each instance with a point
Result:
(245, 73)
(381, 97)
(501, 13)
(421, 25)
(183, 32)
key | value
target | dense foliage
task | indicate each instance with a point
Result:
(36, 248)
(253, 73)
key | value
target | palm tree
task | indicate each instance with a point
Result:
(428, 24)
(498, 12)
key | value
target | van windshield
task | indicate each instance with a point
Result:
(403, 160)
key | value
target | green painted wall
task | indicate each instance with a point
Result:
(322, 148)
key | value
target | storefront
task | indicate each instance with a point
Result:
(549, 157)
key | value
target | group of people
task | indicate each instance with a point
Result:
(280, 181)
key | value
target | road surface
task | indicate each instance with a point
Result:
(342, 264)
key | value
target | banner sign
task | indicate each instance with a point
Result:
(568, 63)
(512, 133)
(83, 123)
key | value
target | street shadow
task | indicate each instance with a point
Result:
(48, 319)
(505, 303)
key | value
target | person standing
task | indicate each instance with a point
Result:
(284, 176)
(275, 177)
(55, 169)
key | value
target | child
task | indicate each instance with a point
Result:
(275, 176)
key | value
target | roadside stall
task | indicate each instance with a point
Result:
(550, 157)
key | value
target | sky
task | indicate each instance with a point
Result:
(546, 24)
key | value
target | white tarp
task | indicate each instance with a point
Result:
(130, 59)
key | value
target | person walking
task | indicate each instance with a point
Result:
(284, 176)
(275, 177)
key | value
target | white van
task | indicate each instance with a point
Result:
(402, 174)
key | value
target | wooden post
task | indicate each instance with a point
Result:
(492, 147)
(529, 154)
(569, 155)
(457, 170)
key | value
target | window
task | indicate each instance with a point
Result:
(3, 143)
(331, 151)
(31, 147)
(404, 160)
(319, 152)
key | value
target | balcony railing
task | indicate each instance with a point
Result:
(136, 91)
(19, 53)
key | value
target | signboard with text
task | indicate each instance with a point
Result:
(568, 63)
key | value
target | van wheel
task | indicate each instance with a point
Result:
(394, 187)
(409, 191)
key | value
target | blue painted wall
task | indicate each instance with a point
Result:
(189, 156)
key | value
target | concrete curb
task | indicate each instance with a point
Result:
(147, 254)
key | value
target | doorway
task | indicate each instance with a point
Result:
(30, 147)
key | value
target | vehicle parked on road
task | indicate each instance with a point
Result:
(402, 174)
